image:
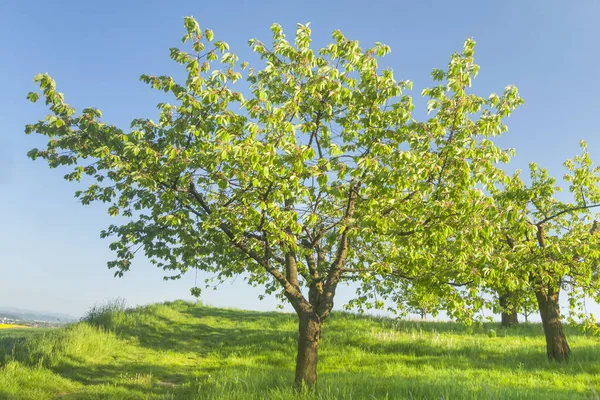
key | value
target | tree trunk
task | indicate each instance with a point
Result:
(509, 315)
(557, 347)
(509, 318)
(308, 348)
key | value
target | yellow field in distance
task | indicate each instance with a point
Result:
(9, 326)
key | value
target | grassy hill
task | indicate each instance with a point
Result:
(182, 350)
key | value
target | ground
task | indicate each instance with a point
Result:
(188, 351)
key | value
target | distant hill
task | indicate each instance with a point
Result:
(32, 315)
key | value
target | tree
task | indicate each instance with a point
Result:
(529, 307)
(512, 303)
(296, 185)
(553, 245)
(421, 302)
(508, 309)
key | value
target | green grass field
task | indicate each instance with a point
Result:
(187, 351)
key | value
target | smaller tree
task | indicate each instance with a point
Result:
(421, 302)
(528, 307)
(514, 303)
(551, 244)
(508, 304)
(460, 272)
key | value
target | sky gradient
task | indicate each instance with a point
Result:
(51, 255)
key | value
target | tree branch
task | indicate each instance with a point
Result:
(568, 210)
(335, 270)
(292, 291)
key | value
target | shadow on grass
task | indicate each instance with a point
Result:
(241, 337)
(421, 387)
(523, 329)
(233, 332)
(229, 331)
(483, 353)
(258, 381)
(10, 339)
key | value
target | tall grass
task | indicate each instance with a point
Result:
(109, 315)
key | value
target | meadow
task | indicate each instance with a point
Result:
(183, 350)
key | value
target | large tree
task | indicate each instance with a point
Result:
(297, 181)
(552, 244)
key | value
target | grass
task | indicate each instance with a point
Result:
(182, 350)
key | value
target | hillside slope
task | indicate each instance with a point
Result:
(182, 350)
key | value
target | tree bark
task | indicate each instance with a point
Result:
(308, 348)
(557, 347)
(509, 315)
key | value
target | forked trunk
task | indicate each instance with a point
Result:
(557, 347)
(509, 314)
(308, 348)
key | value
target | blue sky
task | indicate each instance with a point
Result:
(51, 256)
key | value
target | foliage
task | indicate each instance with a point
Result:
(527, 305)
(553, 243)
(316, 175)
(413, 299)
(423, 303)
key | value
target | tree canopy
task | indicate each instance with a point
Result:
(552, 244)
(298, 173)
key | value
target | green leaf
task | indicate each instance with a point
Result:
(33, 97)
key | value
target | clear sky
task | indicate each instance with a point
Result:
(51, 256)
